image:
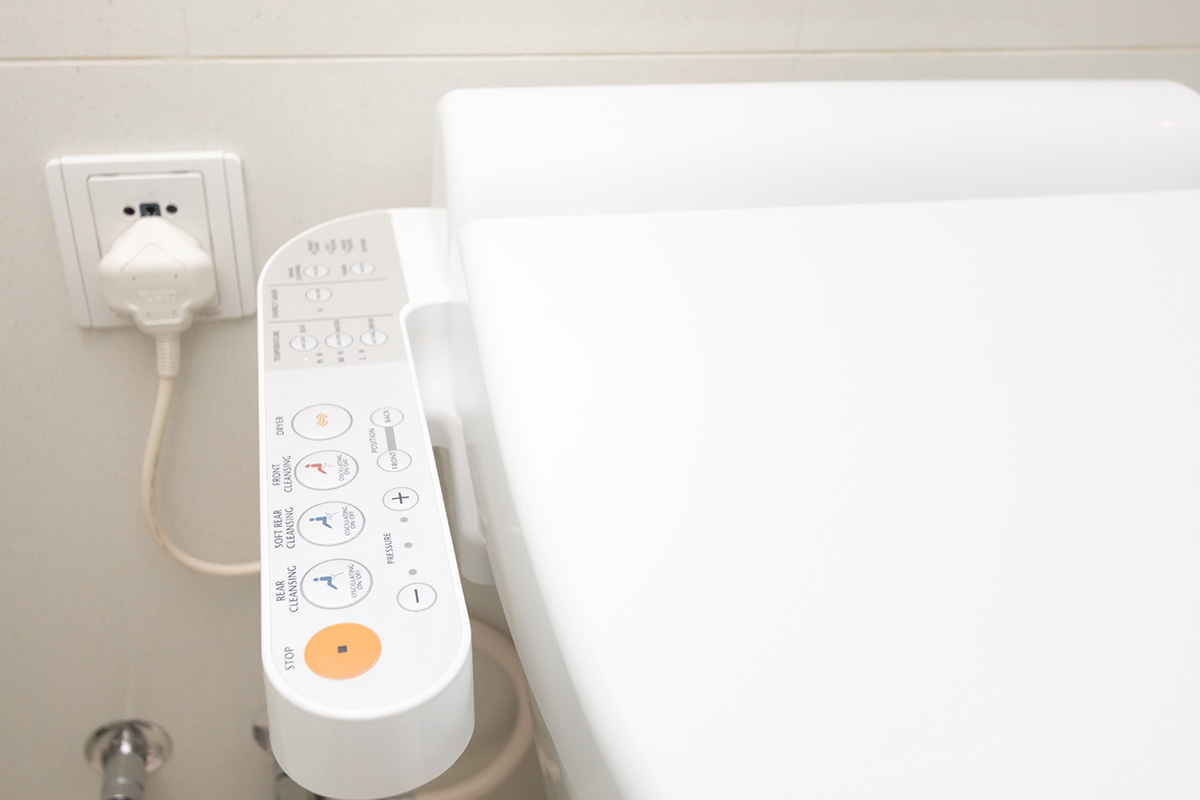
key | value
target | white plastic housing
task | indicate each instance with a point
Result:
(882, 497)
(343, 427)
(626, 149)
(873, 495)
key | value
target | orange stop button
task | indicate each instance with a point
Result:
(342, 651)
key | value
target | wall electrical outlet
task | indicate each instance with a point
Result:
(96, 198)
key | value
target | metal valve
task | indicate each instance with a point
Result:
(125, 753)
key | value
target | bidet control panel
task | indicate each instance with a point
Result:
(364, 624)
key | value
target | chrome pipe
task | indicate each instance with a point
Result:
(124, 762)
(125, 752)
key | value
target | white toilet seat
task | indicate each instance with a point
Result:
(853, 501)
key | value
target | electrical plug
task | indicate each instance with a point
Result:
(160, 275)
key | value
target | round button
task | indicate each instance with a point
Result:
(387, 417)
(316, 271)
(400, 499)
(342, 651)
(394, 460)
(362, 268)
(337, 583)
(416, 597)
(331, 523)
(318, 294)
(304, 342)
(325, 469)
(321, 422)
(374, 338)
(339, 340)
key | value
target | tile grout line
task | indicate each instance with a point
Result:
(373, 58)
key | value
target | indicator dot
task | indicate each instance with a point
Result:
(342, 648)
(412, 572)
(408, 544)
(404, 519)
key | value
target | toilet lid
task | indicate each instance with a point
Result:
(854, 501)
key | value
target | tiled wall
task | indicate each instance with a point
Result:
(330, 106)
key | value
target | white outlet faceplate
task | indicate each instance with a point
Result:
(96, 198)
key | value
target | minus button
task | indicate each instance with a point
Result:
(416, 597)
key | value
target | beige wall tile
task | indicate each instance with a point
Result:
(854, 25)
(106, 628)
(70, 28)
(465, 27)
(201, 28)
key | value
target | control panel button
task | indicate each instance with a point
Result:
(318, 294)
(321, 422)
(331, 523)
(325, 469)
(339, 340)
(336, 583)
(316, 271)
(304, 342)
(387, 417)
(342, 651)
(362, 268)
(394, 460)
(416, 597)
(374, 338)
(400, 499)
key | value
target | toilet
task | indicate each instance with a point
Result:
(822, 440)
(837, 440)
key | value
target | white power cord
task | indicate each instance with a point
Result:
(158, 424)
(159, 274)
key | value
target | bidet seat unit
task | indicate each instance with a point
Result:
(822, 440)
(839, 440)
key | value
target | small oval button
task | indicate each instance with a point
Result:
(387, 417)
(394, 460)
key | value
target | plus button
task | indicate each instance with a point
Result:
(401, 498)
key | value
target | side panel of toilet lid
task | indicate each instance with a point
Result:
(855, 501)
